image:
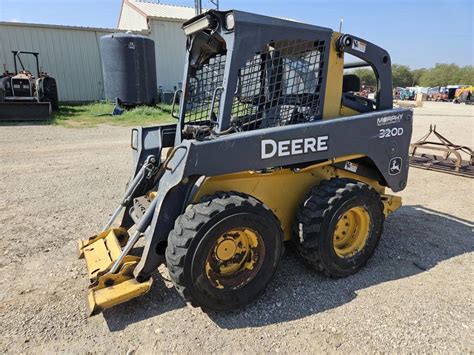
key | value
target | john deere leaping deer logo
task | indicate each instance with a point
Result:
(395, 166)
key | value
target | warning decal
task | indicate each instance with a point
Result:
(359, 46)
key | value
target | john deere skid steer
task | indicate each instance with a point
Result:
(271, 144)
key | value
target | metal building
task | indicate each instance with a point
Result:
(163, 23)
(70, 54)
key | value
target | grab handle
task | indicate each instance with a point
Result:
(211, 108)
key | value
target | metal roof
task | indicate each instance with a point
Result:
(65, 27)
(165, 11)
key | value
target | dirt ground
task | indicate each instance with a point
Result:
(59, 184)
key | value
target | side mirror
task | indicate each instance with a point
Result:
(134, 139)
(175, 98)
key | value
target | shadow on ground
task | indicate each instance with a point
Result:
(63, 113)
(415, 239)
(159, 300)
(45, 122)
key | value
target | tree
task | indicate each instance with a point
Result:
(401, 76)
(367, 76)
(446, 74)
(440, 75)
(467, 75)
(417, 74)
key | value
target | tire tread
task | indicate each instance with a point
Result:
(320, 201)
(189, 223)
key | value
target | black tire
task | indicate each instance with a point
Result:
(50, 92)
(195, 234)
(318, 216)
(4, 88)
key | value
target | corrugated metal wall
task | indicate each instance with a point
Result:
(71, 55)
(170, 47)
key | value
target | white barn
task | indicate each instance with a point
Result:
(72, 56)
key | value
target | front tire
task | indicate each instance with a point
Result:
(339, 226)
(223, 251)
(4, 88)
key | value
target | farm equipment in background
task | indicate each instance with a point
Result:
(272, 144)
(438, 94)
(454, 159)
(406, 94)
(24, 96)
(367, 91)
(464, 95)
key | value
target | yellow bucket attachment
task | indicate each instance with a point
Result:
(107, 290)
(120, 234)
(112, 289)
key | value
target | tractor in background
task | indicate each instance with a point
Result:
(406, 94)
(25, 96)
(438, 94)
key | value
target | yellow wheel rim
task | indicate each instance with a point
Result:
(351, 232)
(235, 258)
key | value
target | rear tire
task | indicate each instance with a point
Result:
(339, 226)
(210, 260)
(50, 92)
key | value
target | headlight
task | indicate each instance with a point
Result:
(229, 21)
(199, 25)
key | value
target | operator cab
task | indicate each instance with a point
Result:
(278, 76)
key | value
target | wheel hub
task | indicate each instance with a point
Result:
(351, 232)
(226, 249)
(235, 258)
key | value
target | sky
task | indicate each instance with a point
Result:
(417, 33)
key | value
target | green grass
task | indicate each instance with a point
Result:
(94, 114)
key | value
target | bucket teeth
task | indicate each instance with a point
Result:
(105, 289)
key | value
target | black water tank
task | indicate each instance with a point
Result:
(129, 67)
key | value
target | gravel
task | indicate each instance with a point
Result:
(58, 185)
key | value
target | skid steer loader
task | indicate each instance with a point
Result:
(271, 144)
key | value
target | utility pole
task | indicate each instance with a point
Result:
(198, 5)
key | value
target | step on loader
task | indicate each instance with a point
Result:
(271, 144)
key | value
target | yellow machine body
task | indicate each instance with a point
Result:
(283, 190)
